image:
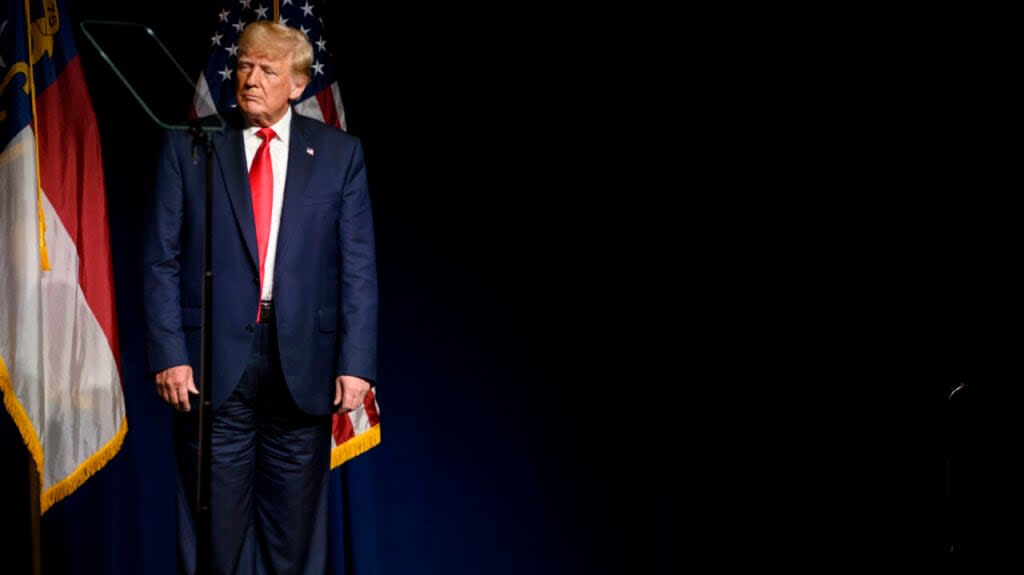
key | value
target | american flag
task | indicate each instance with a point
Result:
(215, 90)
(357, 431)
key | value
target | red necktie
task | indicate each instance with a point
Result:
(261, 180)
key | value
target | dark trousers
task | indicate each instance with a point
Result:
(268, 481)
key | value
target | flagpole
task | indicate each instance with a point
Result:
(34, 471)
(33, 519)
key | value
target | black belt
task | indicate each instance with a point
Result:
(266, 311)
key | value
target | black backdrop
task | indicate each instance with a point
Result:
(626, 328)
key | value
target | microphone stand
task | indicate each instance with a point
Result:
(201, 142)
(204, 532)
(951, 502)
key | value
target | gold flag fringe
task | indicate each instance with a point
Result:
(355, 446)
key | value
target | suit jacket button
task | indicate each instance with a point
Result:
(250, 328)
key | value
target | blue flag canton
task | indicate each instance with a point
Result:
(52, 42)
(302, 14)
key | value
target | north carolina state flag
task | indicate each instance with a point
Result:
(59, 359)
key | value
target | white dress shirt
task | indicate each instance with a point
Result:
(279, 161)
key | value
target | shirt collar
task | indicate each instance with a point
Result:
(282, 128)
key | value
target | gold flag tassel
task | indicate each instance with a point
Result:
(44, 258)
(40, 38)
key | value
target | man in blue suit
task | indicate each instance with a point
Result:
(294, 310)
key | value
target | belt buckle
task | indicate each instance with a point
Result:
(266, 311)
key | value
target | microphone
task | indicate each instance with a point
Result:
(958, 388)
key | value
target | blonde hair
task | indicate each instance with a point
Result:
(275, 40)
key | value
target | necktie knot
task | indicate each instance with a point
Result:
(266, 134)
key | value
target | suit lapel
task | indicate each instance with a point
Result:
(230, 151)
(300, 166)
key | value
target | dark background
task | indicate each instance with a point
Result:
(607, 343)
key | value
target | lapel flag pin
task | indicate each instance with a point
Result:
(309, 151)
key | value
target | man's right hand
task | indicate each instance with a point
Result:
(174, 384)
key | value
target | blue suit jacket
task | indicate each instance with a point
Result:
(325, 277)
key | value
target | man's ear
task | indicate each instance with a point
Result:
(298, 87)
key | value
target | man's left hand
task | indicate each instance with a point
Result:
(349, 392)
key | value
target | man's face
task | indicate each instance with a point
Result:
(265, 85)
